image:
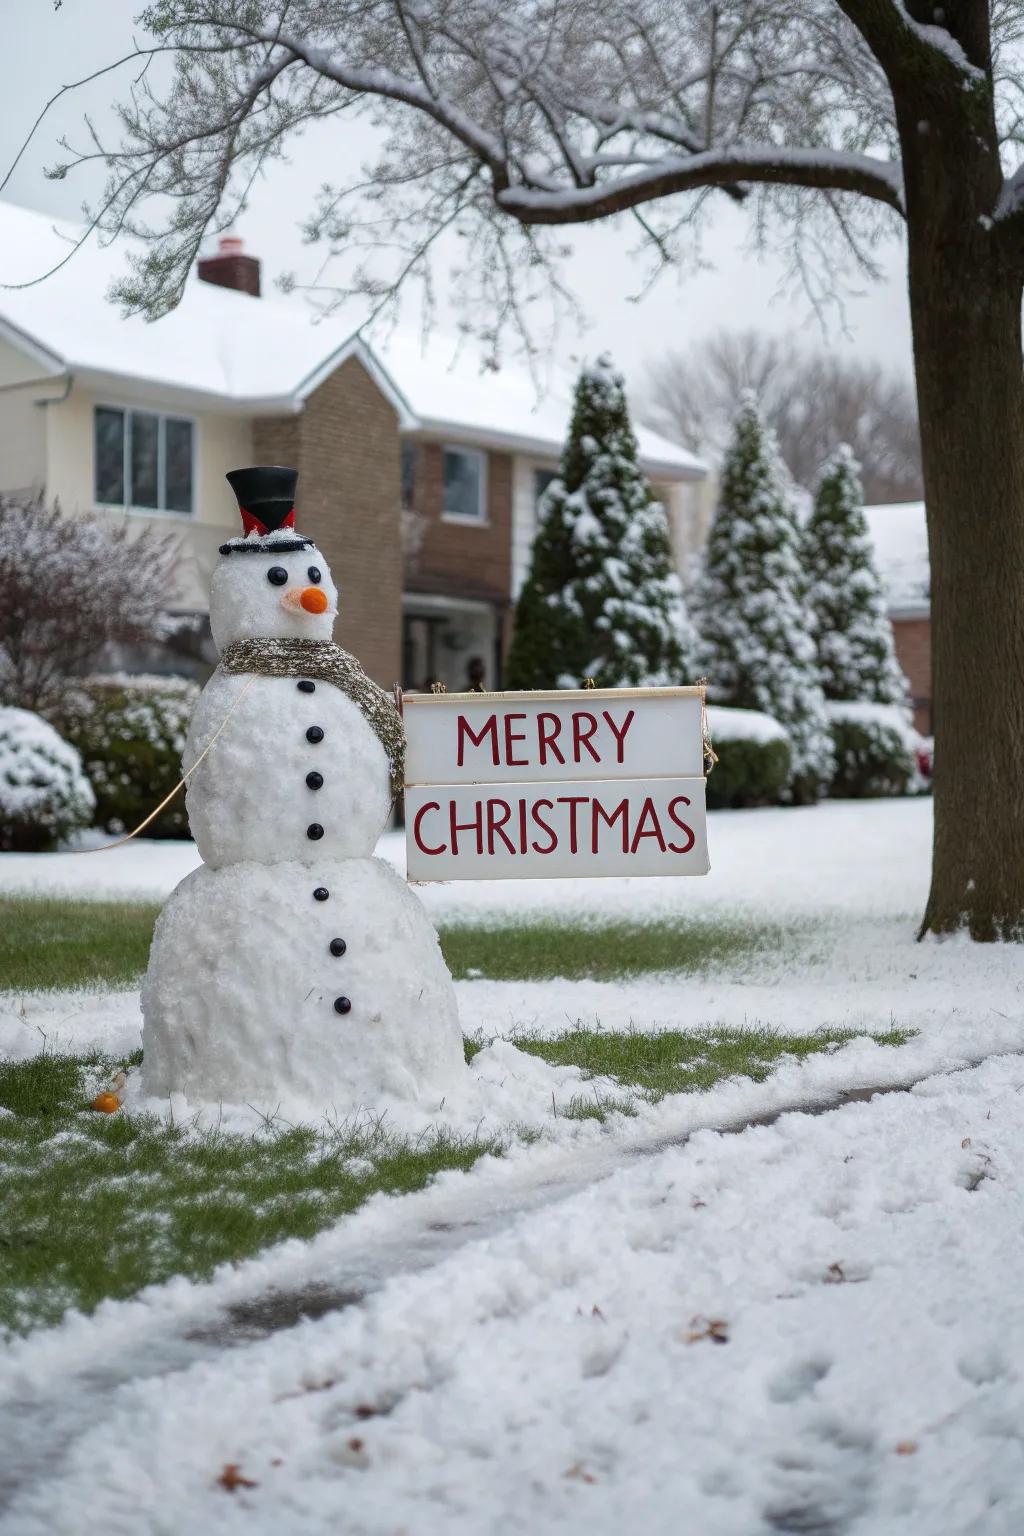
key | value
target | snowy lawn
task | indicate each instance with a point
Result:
(825, 901)
(99, 1206)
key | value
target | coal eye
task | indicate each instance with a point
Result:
(313, 573)
(277, 575)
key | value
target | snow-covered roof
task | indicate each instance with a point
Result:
(448, 392)
(900, 538)
(264, 356)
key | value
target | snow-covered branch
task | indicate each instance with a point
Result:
(732, 168)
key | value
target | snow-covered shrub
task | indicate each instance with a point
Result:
(874, 750)
(751, 608)
(68, 587)
(856, 656)
(131, 732)
(754, 758)
(44, 795)
(602, 598)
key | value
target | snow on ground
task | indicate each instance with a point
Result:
(145, 869)
(848, 857)
(534, 1351)
(813, 1326)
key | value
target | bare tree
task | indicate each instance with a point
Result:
(812, 400)
(68, 586)
(830, 120)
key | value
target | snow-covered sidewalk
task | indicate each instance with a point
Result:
(815, 1326)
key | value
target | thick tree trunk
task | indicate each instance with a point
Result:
(965, 298)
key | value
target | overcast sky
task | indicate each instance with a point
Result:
(46, 49)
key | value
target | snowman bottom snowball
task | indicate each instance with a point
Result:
(285, 982)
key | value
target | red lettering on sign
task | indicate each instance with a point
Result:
(431, 805)
(548, 739)
(466, 826)
(495, 824)
(489, 728)
(609, 819)
(514, 736)
(620, 736)
(522, 826)
(582, 738)
(680, 800)
(539, 819)
(572, 801)
(641, 831)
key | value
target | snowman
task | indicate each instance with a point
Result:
(292, 966)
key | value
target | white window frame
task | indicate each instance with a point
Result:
(127, 410)
(480, 520)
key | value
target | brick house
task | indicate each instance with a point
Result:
(419, 475)
(900, 536)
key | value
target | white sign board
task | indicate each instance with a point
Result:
(502, 786)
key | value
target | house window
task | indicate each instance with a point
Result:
(408, 475)
(465, 485)
(143, 460)
(542, 478)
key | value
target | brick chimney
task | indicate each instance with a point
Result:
(231, 267)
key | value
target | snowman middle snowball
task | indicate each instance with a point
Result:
(292, 965)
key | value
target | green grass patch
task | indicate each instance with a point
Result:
(671, 1062)
(100, 1205)
(48, 943)
(540, 951)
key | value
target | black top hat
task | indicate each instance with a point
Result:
(266, 496)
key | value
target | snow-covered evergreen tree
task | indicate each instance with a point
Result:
(854, 637)
(759, 650)
(602, 598)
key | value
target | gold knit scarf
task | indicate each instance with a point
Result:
(326, 662)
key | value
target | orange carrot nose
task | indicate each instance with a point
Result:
(314, 600)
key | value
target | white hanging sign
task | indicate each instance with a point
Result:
(539, 785)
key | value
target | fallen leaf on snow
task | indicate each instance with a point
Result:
(231, 1477)
(714, 1328)
(579, 1472)
(906, 1448)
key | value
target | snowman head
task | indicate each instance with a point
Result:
(271, 584)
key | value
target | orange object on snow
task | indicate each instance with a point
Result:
(106, 1103)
